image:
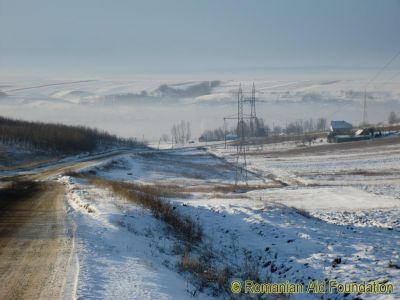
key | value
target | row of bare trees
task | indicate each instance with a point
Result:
(304, 126)
(259, 129)
(57, 138)
(181, 133)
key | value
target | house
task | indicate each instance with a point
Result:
(231, 137)
(340, 127)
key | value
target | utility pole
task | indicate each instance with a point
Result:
(225, 132)
(365, 113)
(253, 115)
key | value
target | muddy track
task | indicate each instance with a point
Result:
(35, 246)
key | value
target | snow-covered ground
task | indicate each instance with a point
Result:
(346, 181)
(293, 231)
(189, 167)
(122, 251)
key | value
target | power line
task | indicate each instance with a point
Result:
(382, 69)
(391, 78)
(365, 112)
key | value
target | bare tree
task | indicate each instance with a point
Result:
(188, 133)
(180, 133)
(393, 118)
(164, 137)
(321, 124)
(277, 130)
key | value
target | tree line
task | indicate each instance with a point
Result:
(258, 128)
(58, 138)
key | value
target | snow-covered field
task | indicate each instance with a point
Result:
(323, 215)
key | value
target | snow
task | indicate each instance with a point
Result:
(330, 198)
(117, 248)
(292, 232)
(191, 166)
(299, 247)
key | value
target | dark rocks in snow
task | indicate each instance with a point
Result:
(336, 261)
(267, 264)
(273, 268)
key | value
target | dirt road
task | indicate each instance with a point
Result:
(36, 241)
(35, 246)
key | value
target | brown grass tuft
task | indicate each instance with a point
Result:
(153, 198)
(204, 272)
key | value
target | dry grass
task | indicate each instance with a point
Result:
(73, 174)
(229, 188)
(205, 274)
(153, 197)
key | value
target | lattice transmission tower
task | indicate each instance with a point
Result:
(241, 163)
(240, 117)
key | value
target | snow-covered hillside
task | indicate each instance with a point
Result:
(345, 230)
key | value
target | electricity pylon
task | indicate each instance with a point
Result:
(241, 163)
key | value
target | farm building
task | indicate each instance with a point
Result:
(340, 127)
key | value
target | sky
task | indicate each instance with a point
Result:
(87, 37)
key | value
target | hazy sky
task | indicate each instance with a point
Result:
(138, 37)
